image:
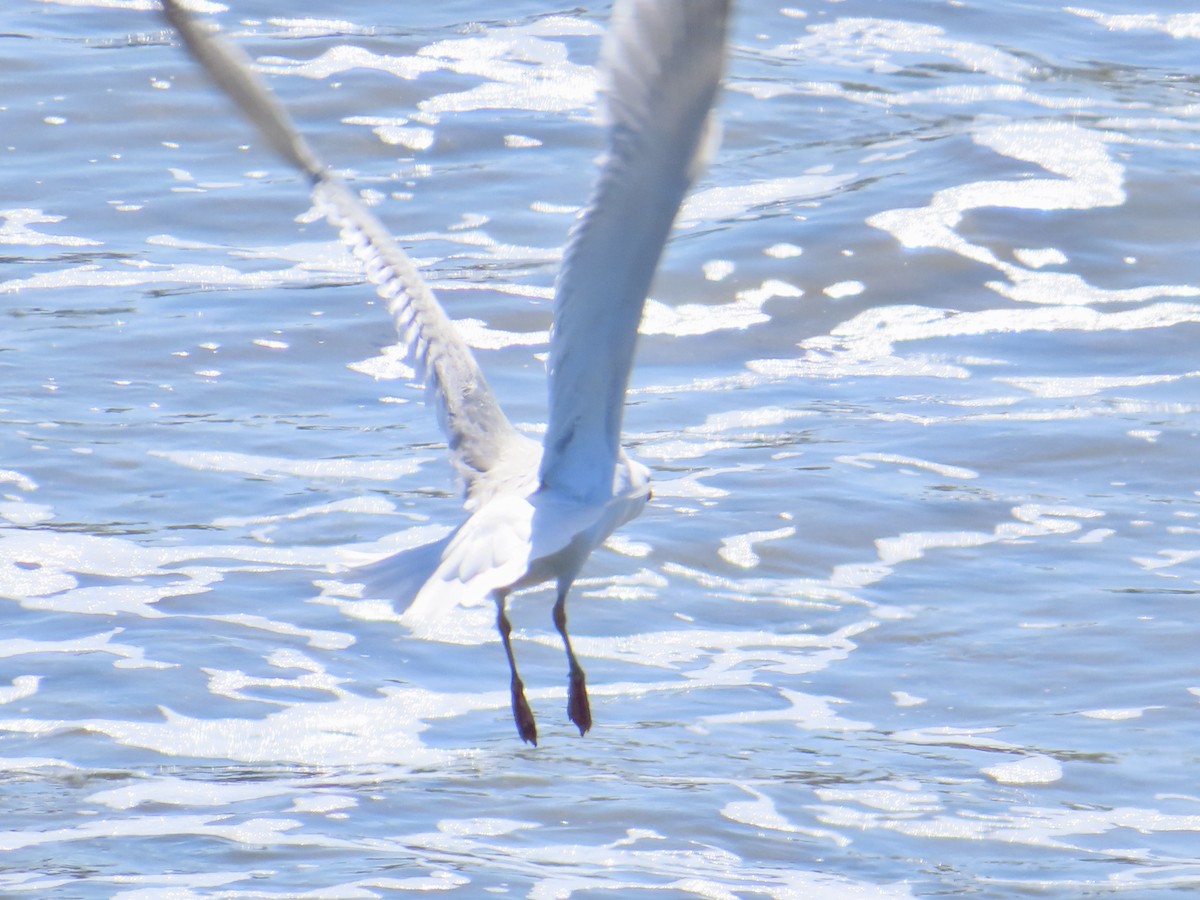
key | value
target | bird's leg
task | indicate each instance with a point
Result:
(578, 708)
(522, 714)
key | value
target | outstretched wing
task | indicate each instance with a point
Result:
(662, 62)
(479, 435)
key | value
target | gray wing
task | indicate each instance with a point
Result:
(662, 61)
(476, 428)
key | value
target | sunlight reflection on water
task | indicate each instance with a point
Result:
(910, 610)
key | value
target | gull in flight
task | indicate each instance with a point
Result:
(537, 512)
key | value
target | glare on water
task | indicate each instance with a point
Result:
(911, 609)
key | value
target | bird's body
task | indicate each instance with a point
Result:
(537, 512)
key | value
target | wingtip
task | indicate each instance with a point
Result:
(230, 68)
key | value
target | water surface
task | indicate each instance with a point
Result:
(912, 610)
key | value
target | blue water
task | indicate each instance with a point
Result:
(912, 612)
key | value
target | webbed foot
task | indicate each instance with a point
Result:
(578, 708)
(522, 714)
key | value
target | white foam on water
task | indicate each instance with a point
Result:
(523, 67)
(893, 797)
(479, 335)
(506, 58)
(1118, 715)
(375, 506)
(1029, 770)
(1036, 259)
(760, 813)
(690, 319)
(1034, 826)
(1087, 386)
(1088, 178)
(783, 251)
(312, 27)
(262, 466)
(319, 639)
(738, 550)
(1178, 25)
(635, 863)
(21, 686)
(762, 417)
(843, 289)
(16, 229)
(169, 791)
(346, 58)
(873, 44)
(804, 711)
(730, 202)
(718, 269)
(1164, 559)
(521, 141)
(324, 803)
(211, 276)
(22, 481)
(345, 730)
(1031, 520)
(868, 461)
(866, 343)
(127, 656)
(24, 514)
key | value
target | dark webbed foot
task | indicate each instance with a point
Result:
(522, 714)
(579, 710)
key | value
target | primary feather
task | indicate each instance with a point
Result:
(661, 65)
